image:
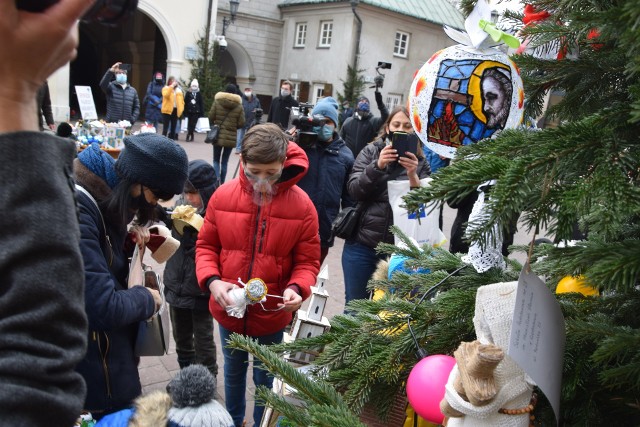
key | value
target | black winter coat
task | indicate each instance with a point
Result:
(368, 185)
(110, 367)
(193, 105)
(181, 287)
(326, 183)
(280, 110)
(357, 131)
(122, 103)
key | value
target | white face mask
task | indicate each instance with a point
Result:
(285, 92)
(247, 93)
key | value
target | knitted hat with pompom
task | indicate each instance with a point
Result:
(192, 392)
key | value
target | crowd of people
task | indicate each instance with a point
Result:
(272, 222)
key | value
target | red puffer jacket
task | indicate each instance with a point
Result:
(277, 243)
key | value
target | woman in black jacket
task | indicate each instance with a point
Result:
(193, 107)
(377, 163)
(151, 167)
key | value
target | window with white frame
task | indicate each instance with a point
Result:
(318, 92)
(326, 31)
(295, 90)
(393, 100)
(401, 46)
(301, 34)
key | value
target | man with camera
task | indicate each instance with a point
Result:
(122, 98)
(281, 106)
(330, 163)
(361, 128)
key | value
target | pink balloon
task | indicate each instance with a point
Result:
(425, 386)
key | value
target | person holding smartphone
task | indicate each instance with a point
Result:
(172, 107)
(122, 98)
(376, 164)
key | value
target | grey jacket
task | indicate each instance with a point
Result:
(43, 326)
(368, 185)
(122, 103)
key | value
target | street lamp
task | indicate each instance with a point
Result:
(233, 10)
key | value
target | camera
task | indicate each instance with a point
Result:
(304, 123)
(258, 117)
(103, 11)
(222, 43)
(379, 79)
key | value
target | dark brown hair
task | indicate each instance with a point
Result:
(287, 82)
(383, 132)
(265, 143)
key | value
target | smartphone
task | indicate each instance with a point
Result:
(125, 67)
(404, 142)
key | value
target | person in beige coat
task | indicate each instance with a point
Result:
(227, 113)
(172, 106)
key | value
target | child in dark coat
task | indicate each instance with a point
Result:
(189, 305)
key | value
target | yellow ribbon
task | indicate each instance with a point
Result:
(184, 212)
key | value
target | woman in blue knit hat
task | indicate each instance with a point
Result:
(115, 198)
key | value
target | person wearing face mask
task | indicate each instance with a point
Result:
(110, 196)
(194, 107)
(192, 324)
(153, 100)
(377, 163)
(330, 163)
(258, 225)
(172, 107)
(281, 106)
(250, 103)
(122, 98)
(362, 127)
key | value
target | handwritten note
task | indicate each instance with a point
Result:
(86, 103)
(538, 336)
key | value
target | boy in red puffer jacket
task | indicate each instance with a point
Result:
(259, 225)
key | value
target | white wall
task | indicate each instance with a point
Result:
(318, 65)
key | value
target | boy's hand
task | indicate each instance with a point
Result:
(220, 292)
(291, 300)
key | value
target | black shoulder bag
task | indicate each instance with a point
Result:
(346, 222)
(214, 133)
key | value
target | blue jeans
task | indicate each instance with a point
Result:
(240, 136)
(235, 377)
(221, 166)
(358, 264)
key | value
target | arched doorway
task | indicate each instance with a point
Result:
(139, 43)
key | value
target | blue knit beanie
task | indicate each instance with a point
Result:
(154, 161)
(100, 163)
(327, 107)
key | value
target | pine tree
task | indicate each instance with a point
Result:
(205, 68)
(581, 174)
(353, 86)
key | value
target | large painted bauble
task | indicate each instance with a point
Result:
(462, 95)
(425, 386)
(576, 284)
